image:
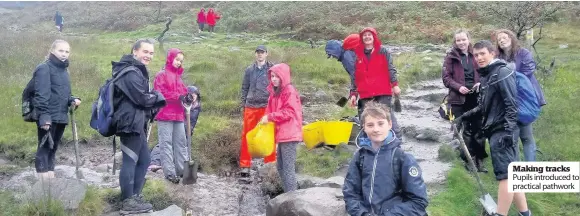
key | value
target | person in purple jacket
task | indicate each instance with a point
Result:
(509, 50)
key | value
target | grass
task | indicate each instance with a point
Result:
(554, 132)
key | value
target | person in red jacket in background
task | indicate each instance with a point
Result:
(211, 19)
(375, 75)
(171, 132)
(285, 110)
(201, 20)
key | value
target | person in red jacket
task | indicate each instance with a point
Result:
(375, 75)
(171, 132)
(285, 110)
(201, 19)
(211, 19)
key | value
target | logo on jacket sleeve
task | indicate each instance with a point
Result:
(413, 171)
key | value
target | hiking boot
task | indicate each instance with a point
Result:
(133, 205)
(140, 199)
(480, 166)
(172, 179)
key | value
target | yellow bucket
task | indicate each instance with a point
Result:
(312, 134)
(261, 142)
(336, 132)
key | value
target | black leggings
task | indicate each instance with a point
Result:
(136, 159)
(45, 156)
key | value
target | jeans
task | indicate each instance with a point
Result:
(528, 141)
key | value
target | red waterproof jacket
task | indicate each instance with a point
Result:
(284, 106)
(373, 77)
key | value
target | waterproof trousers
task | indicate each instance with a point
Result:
(251, 118)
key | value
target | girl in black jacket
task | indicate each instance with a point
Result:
(52, 99)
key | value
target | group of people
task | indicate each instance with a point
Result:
(381, 179)
(210, 18)
(483, 97)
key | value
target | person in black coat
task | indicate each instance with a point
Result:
(52, 99)
(135, 105)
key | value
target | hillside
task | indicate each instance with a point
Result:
(418, 32)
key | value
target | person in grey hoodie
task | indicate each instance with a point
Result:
(254, 99)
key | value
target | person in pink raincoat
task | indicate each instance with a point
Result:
(170, 119)
(285, 110)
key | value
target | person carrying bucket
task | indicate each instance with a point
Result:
(285, 110)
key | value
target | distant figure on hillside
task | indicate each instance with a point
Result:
(52, 99)
(201, 19)
(375, 75)
(461, 77)
(509, 50)
(211, 19)
(254, 99)
(499, 110)
(58, 21)
(382, 179)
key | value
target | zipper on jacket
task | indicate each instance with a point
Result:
(373, 181)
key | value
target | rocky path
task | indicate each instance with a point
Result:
(424, 130)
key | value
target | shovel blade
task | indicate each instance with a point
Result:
(488, 204)
(189, 173)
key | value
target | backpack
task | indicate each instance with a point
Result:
(351, 42)
(29, 113)
(526, 98)
(103, 107)
(528, 104)
(396, 160)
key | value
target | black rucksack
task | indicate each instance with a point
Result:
(29, 113)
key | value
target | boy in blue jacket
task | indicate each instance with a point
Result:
(381, 178)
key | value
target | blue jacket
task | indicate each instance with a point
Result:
(346, 57)
(372, 187)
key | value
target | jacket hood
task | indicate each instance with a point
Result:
(493, 65)
(171, 55)
(334, 49)
(126, 61)
(202, 10)
(377, 42)
(390, 142)
(283, 71)
(351, 42)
